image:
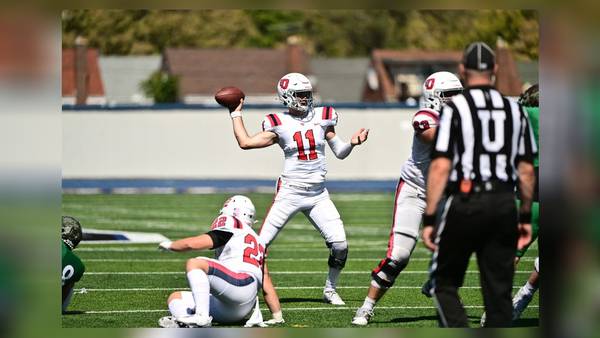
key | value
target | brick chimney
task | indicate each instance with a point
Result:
(296, 58)
(81, 71)
(508, 80)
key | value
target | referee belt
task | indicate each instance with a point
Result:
(467, 186)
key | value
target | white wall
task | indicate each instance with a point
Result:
(200, 144)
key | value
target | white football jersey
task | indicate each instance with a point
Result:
(244, 251)
(414, 171)
(303, 143)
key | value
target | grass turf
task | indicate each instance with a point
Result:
(126, 285)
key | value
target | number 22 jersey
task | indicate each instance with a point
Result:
(302, 140)
(244, 251)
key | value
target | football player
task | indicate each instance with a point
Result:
(302, 132)
(72, 267)
(224, 288)
(410, 192)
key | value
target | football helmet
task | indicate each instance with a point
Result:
(240, 207)
(71, 232)
(295, 91)
(438, 88)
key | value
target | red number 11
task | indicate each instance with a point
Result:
(312, 155)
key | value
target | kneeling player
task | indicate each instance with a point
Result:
(225, 288)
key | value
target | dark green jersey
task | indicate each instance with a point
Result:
(72, 267)
(534, 120)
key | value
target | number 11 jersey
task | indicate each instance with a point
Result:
(302, 140)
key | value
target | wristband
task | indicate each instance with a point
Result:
(525, 217)
(235, 113)
(428, 220)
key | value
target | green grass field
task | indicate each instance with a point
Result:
(127, 285)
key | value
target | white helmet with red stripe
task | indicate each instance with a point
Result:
(295, 91)
(240, 207)
(438, 88)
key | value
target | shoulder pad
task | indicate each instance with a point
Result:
(224, 222)
(329, 116)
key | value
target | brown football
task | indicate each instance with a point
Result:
(229, 97)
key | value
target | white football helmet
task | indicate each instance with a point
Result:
(240, 207)
(295, 91)
(438, 88)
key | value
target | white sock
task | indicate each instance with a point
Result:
(369, 303)
(332, 277)
(198, 281)
(178, 308)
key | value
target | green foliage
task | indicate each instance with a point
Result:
(335, 33)
(162, 87)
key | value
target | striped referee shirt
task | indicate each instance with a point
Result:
(485, 135)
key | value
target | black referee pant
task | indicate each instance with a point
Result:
(484, 223)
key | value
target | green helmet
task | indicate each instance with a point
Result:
(71, 231)
(531, 97)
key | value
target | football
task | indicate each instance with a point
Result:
(229, 97)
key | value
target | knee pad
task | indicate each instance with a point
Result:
(338, 253)
(385, 274)
(400, 255)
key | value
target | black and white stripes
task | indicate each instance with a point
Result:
(485, 135)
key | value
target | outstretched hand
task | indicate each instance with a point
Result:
(359, 137)
(525, 235)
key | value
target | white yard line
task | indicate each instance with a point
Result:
(278, 288)
(271, 272)
(116, 260)
(326, 308)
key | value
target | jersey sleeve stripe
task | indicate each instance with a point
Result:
(272, 120)
(276, 118)
(427, 113)
(233, 278)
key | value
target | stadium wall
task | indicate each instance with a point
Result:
(199, 144)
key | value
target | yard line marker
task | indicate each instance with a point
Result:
(272, 272)
(84, 290)
(375, 259)
(327, 308)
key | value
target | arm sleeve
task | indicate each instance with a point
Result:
(340, 148)
(446, 134)
(219, 237)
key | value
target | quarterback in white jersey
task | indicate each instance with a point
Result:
(223, 289)
(410, 192)
(302, 132)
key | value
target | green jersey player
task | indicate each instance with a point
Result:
(72, 267)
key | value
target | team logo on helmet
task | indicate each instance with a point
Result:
(438, 88)
(295, 91)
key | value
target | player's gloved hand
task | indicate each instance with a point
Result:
(277, 319)
(274, 321)
(237, 112)
(359, 137)
(165, 246)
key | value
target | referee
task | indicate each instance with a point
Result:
(484, 146)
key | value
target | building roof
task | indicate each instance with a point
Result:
(122, 76)
(95, 86)
(204, 71)
(387, 64)
(340, 79)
